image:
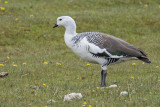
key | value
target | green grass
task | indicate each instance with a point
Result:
(34, 41)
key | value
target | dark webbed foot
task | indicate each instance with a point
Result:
(103, 84)
(103, 78)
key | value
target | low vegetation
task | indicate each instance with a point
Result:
(40, 66)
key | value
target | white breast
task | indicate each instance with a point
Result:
(82, 50)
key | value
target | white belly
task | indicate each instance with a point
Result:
(82, 51)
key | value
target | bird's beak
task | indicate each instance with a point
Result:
(55, 25)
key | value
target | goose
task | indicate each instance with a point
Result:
(98, 48)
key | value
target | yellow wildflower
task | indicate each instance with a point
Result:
(84, 102)
(45, 63)
(31, 15)
(143, 63)
(58, 63)
(157, 66)
(17, 19)
(1, 65)
(146, 5)
(15, 65)
(97, 88)
(88, 64)
(133, 64)
(24, 63)
(8, 57)
(2, 8)
(5, 2)
(83, 105)
(89, 106)
(132, 77)
(44, 84)
(93, 91)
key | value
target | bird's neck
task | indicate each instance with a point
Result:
(71, 29)
(69, 34)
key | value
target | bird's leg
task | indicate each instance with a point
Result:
(103, 77)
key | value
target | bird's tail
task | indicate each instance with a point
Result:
(144, 59)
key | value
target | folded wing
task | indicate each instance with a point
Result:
(115, 46)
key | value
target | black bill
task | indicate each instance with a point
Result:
(55, 25)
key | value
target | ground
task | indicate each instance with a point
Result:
(40, 66)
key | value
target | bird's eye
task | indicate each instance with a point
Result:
(60, 19)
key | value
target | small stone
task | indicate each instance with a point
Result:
(83, 77)
(34, 87)
(33, 92)
(71, 96)
(29, 104)
(113, 86)
(51, 101)
(124, 93)
(3, 74)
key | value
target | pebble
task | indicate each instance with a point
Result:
(51, 101)
(3, 74)
(124, 93)
(113, 86)
(71, 96)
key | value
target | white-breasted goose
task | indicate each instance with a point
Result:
(98, 47)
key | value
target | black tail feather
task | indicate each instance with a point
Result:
(144, 59)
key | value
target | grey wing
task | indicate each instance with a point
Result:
(120, 47)
(113, 45)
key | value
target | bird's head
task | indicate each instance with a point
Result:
(64, 21)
